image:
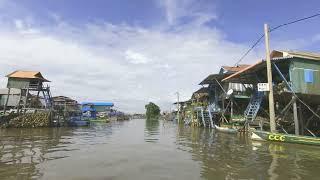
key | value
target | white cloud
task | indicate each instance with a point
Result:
(18, 23)
(136, 58)
(121, 63)
(129, 65)
(198, 10)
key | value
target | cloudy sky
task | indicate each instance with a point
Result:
(135, 51)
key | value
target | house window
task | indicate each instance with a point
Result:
(308, 76)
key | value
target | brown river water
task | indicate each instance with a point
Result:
(140, 150)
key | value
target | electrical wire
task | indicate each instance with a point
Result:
(271, 30)
(249, 50)
(293, 22)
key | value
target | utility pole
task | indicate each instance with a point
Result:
(178, 107)
(269, 73)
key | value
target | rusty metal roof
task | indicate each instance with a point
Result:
(27, 75)
(230, 70)
(237, 74)
(237, 68)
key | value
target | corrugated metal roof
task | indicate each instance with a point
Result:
(276, 56)
(202, 90)
(212, 78)
(27, 75)
(64, 99)
(98, 103)
(300, 54)
(256, 65)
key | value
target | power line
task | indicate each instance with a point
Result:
(249, 50)
(295, 21)
(273, 29)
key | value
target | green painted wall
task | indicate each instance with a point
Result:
(297, 78)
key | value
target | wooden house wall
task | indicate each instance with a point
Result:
(298, 67)
(13, 100)
(18, 83)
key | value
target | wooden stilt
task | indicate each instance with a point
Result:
(38, 95)
(6, 104)
(26, 100)
(231, 109)
(301, 120)
(18, 106)
(295, 117)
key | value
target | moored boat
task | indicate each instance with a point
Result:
(77, 121)
(226, 129)
(287, 138)
(99, 120)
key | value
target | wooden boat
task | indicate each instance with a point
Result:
(226, 129)
(77, 121)
(287, 138)
(99, 120)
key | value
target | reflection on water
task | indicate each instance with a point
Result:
(22, 149)
(122, 150)
(151, 130)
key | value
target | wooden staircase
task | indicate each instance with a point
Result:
(253, 107)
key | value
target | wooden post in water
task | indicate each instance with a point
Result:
(26, 100)
(301, 120)
(6, 104)
(20, 96)
(178, 107)
(231, 109)
(295, 116)
(269, 73)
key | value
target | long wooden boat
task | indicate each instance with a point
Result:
(287, 138)
(99, 120)
(78, 123)
(226, 129)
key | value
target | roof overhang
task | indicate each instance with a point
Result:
(246, 75)
(212, 78)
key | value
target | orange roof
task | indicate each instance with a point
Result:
(242, 70)
(27, 75)
(235, 68)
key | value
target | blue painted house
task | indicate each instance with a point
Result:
(91, 109)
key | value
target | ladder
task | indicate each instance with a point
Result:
(47, 98)
(210, 116)
(253, 106)
(206, 117)
(187, 121)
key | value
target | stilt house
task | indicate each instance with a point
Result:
(216, 103)
(27, 82)
(296, 84)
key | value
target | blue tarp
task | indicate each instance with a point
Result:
(98, 103)
(88, 108)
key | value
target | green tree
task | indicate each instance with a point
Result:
(152, 111)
